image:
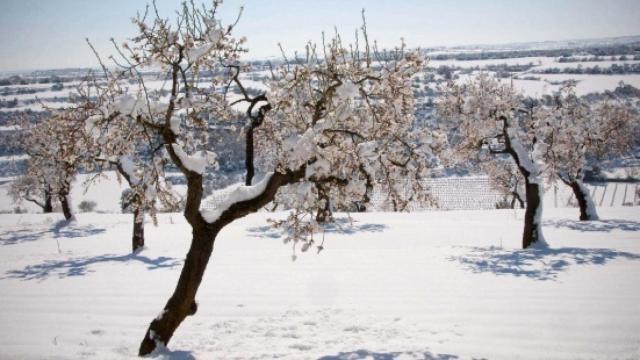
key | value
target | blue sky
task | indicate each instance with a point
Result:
(50, 33)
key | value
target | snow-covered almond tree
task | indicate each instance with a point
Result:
(335, 121)
(579, 133)
(118, 139)
(32, 186)
(505, 177)
(55, 147)
(492, 119)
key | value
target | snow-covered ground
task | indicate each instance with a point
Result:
(425, 285)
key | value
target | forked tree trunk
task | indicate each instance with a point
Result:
(585, 202)
(533, 215)
(182, 302)
(137, 241)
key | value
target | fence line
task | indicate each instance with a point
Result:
(475, 193)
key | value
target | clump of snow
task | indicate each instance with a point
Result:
(214, 35)
(129, 104)
(300, 149)
(317, 169)
(129, 167)
(196, 163)
(234, 194)
(347, 90)
(198, 51)
(91, 126)
(175, 124)
(212, 38)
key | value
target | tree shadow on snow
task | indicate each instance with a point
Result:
(595, 225)
(340, 225)
(365, 354)
(61, 229)
(538, 264)
(81, 266)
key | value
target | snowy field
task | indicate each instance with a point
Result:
(427, 285)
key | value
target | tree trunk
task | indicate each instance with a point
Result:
(533, 215)
(48, 203)
(324, 212)
(516, 197)
(249, 156)
(137, 242)
(532, 233)
(66, 206)
(182, 303)
(586, 204)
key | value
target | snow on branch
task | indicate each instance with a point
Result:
(234, 194)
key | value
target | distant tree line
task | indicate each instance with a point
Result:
(614, 69)
(629, 49)
(597, 58)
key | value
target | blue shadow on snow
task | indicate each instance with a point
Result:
(80, 266)
(62, 229)
(538, 264)
(370, 355)
(595, 225)
(340, 226)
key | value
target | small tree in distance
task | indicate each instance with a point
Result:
(493, 119)
(55, 147)
(119, 140)
(335, 119)
(579, 133)
(505, 177)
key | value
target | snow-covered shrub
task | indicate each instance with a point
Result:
(580, 134)
(87, 206)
